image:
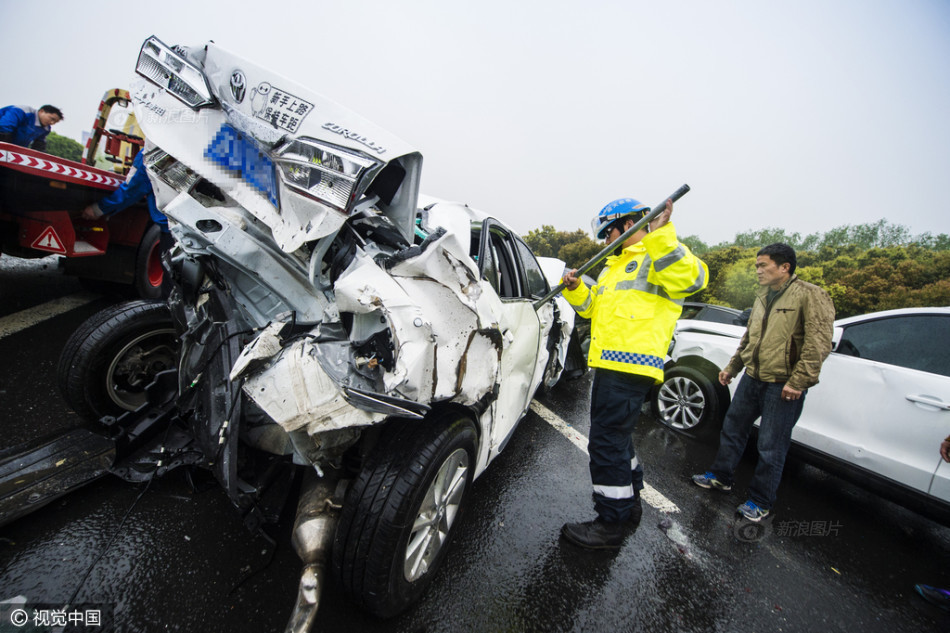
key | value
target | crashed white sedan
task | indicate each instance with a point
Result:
(325, 320)
(877, 416)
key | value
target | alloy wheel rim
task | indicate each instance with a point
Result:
(681, 403)
(436, 515)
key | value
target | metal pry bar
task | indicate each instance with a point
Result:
(599, 257)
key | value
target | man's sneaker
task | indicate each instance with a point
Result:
(594, 534)
(934, 595)
(709, 480)
(752, 512)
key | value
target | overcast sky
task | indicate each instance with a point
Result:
(802, 115)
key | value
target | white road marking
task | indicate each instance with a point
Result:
(649, 494)
(13, 323)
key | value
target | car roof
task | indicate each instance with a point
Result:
(892, 313)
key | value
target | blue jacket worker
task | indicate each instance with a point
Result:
(633, 309)
(27, 127)
(136, 186)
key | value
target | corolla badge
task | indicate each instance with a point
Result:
(238, 86)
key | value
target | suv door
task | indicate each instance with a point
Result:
(883, 398)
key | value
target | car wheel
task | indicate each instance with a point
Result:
(399, 514)
(107, 363)
(148, 265)
(687, 401)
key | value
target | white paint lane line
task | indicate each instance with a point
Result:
(648, 494)
(13, 323)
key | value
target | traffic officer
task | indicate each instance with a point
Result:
(26, 127)
(633, 309)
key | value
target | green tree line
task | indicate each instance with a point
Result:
(63, 146)
(864, 267)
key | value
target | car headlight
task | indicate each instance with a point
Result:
(164, 67)
(326, 173)
(170, 171)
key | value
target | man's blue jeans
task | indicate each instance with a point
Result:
(755, 399)
(615, 471)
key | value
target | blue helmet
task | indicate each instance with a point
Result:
(617, 209)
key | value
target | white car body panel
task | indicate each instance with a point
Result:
(716, 342)
(860, 413)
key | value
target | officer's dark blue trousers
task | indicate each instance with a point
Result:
(615, 471)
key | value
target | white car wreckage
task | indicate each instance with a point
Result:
(325, 319)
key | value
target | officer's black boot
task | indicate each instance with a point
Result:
(594, 534)
(636, 512)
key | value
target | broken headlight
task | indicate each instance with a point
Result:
(331, 175)
(164, 67)
(170, 171)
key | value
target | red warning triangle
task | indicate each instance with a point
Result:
(49, 241)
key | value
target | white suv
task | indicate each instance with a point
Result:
(877, 416)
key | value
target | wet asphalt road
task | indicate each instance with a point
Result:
(174, 556)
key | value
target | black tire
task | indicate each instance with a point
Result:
(688, 402)
(384, 557)
(148, 265)
(107, 363)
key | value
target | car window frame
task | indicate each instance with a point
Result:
(842, 343)
(497, 250)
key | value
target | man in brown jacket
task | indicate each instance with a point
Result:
(787, 340)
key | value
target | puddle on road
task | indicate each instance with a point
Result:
(177, 547)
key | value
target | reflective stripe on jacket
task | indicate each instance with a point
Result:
(788, 339)
(636, 301)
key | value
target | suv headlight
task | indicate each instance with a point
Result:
(326, 173)
(164, 67)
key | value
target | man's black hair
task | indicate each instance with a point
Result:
(53, 110)
(780, 254)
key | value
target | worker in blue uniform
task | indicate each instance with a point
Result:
(136, 187)
(27, 127)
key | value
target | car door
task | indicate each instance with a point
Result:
(501, 265)
(883, 401)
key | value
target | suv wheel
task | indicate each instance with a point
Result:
(687, 401)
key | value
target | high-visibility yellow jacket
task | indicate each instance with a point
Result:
(636, 301)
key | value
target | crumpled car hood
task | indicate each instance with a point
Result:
(269, 110)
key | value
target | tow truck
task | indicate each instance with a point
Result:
(42, 197)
